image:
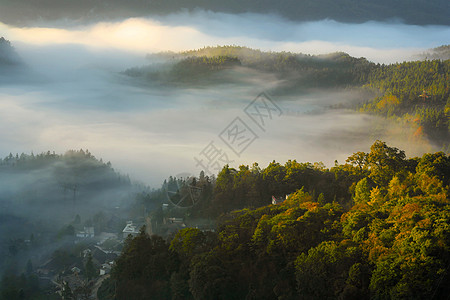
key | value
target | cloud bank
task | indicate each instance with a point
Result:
(80, 100)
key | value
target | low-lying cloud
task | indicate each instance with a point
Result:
(80, 100)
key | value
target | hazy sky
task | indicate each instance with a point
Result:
(379, 42)
(81, 101)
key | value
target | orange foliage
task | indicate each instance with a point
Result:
(377, 252)
(425, 223)
(309, 205)
(419, 132)
(360, 207)
(289, 212)
(399, 238)
(409, 209)
(374, 246)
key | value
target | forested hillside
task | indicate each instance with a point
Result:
(415, 94)
(374, 227)
(441, 52)
(12, 67)
(298, 71)
(40, 195)
(8, 56)
(75, 178)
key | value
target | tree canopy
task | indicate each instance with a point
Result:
(375, 227)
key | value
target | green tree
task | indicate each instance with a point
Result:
(362, 192)
(144, 269)
(89, 269)
(210, 280)
(29, 268)
(67, 293)
(385, 162)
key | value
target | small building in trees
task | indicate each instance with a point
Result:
(278, 200)
(88, 232)
(106, 268)
(130, 228)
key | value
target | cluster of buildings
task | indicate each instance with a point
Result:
(102, 249)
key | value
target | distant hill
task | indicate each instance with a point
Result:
(419, 12)
(13, 69)
(48, 196)
(415, 92)
(441, 52)
(8, 56)
(212, 65)
(59, 185)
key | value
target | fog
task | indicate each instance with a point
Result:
(76, 96)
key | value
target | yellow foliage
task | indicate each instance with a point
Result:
(388, 101)
(376, 198)
(289, 211)
(430, 185)
(311, 206)
(425, 223)
(408, 211)
(396, 188)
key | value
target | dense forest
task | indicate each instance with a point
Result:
(418, 94)
(298, 71)
(414, 93)
(412, 12)
(375, 227)
(77, 177)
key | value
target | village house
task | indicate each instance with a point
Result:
(88, 232)
(277, 200)
(106, 268)
(130, 228)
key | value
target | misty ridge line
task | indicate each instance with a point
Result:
(208, 62)
(211, 65)
(253, 56)
(74, 171)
